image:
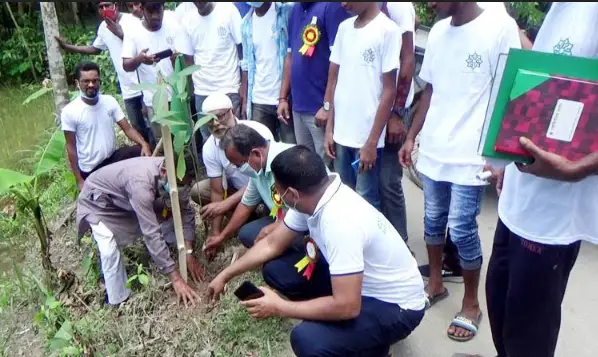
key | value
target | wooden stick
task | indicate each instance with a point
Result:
(158, 148)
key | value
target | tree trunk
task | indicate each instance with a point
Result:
(44, 236)
(55, 60)
(75, 9)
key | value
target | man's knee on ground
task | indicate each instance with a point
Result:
(306, 342)
(247, 235)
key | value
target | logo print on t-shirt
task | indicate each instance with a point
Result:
(169, 40)
(564, 47)
(369, 56)
(474, 61)
(222, 32)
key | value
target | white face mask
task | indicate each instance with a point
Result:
(285, 203)
(247, 170)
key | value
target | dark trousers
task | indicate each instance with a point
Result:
(124, 153)
(134, 108)
(392, 199)
(378, 326)
(525, 286)
(266, 114)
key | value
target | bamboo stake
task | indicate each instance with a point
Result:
(174, 198)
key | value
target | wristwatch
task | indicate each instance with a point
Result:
(326, 106)
(402, 112)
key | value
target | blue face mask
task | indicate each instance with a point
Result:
(247, 170)
(166, 187)
(82, 95)
(255, 4)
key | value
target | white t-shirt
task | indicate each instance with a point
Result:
(363, 55)
(216, 162)
(183, 9)
(213, 40)
(403, 14)
(107, 41)
(356, 238)
(460, 63)
(493, 6)
(169, 36)
(543, 210)
(266, 87)
(93, 126)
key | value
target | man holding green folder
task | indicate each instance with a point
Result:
(545, 210)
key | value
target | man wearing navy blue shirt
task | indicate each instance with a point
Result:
(305, 75)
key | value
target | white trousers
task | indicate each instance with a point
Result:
(113, 266)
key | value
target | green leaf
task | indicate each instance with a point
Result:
(144, 279)
(53, 153)
(57, 344)
(10, 178)
(65, 332)
(188, 71)
(180, 138)
(71, 351)
(87, 264)
(145, 86)
(169, 123)
(181, 166)
(139, 269)
(203, 121)
(130, 281)
(160, 100)
(164, 115)
(36, 95)
(73, 95)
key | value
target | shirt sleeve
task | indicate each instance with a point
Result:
(141, 198)
(188, 214)
(235, 26)
(391, 49)
(508, 39)
(425, 72)
(210, 158)
(252, 196)
(245, 43)
(98, 42)
(67, 123)
(335, 53)
(403, 14)
(129, 49)
(115, 110)
(344, 247)
(296, 221)
(335, 15)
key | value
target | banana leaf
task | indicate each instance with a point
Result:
(37, 94)
(53, 153)
(178, 105)
(10, 179)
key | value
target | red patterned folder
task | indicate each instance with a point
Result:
(558, 114)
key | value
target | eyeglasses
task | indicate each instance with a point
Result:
(87, 82)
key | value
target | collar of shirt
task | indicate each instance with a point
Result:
(273, 151)
(328, 194)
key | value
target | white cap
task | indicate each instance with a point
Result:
(216, 101)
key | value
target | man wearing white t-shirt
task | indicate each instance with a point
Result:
(155, 33)
(135, 9)
(363, 74)
(88, 125)
(265, 39)
(222, 191)
(361, 291)
(461, 57)
(392, 199)
(110, 38)
(545, 210)
(213, 36)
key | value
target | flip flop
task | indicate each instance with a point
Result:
(465, 355)
(431, 300)
(466, 324)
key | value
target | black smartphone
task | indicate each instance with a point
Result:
(248, 291)
(163, 54)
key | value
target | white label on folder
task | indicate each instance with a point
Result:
(564, 120)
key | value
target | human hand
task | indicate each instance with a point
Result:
(367, 157)
(212, 210)
(264, 307)
(195, 268)
(216, 288)
(405, 153)
(321, 118)
(497, 177)
(61, 42)
(264, 232)
(145, 150)
(80, 184)
(548, 165)
(114, 27)
(283, 111)
(329, 145)
(183, 291)
(144, 58)
(212, 245)
(395, 129)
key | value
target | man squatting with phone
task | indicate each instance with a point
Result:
(357, 267)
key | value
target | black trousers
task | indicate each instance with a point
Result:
(525, 286)
(123, 153)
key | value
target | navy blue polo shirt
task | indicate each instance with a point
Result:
(309, 75)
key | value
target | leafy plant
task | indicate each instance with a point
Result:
(141, 277)
(25, 189)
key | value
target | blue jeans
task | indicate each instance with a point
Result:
(205, 132)
(392, 198)
(455, 206)
(250, 230)
(366, 183)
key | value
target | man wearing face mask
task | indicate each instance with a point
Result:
(252, 154)
(363, 273)
(119, 203)
(88, 126)
(222, 191)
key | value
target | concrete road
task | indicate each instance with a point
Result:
(580, 308)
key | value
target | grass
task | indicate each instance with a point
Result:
(150, 323)
(21, 126)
